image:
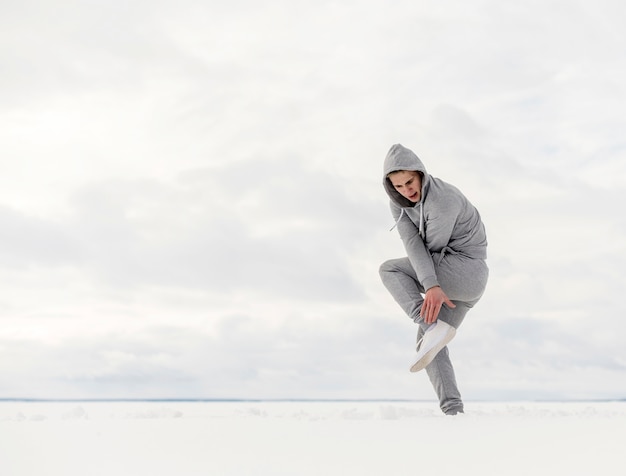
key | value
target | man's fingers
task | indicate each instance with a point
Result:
(432, 311)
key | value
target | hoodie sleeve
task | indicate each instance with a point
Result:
(418, 254)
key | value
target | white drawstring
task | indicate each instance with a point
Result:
(398, 220)
(421, 225)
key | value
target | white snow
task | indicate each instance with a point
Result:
(310, 438)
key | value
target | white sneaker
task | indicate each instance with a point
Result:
(435, 338)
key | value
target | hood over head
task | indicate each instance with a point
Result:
(400, 158)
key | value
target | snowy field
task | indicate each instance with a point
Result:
(310, 438)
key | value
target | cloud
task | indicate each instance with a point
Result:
(271, 226)
(188, 189)
(303, 358)
(29, 240)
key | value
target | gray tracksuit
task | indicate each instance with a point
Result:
(446, 246)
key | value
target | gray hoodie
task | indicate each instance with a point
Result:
(442, 222)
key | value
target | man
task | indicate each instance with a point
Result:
(444, 274)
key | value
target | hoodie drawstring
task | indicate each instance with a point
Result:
(398, 220)
(421, 225)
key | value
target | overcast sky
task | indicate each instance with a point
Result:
(191, 202)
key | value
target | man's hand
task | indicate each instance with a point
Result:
(433, 300)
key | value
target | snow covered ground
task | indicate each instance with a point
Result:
(310, 438)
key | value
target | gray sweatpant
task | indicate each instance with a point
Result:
(463, 280)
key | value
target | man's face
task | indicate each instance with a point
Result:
(408, 183)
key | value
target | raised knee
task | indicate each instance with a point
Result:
(386, 267)
(382, 269)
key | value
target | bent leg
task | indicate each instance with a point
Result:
(462, 279)
(455, 316)
(400, 279)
